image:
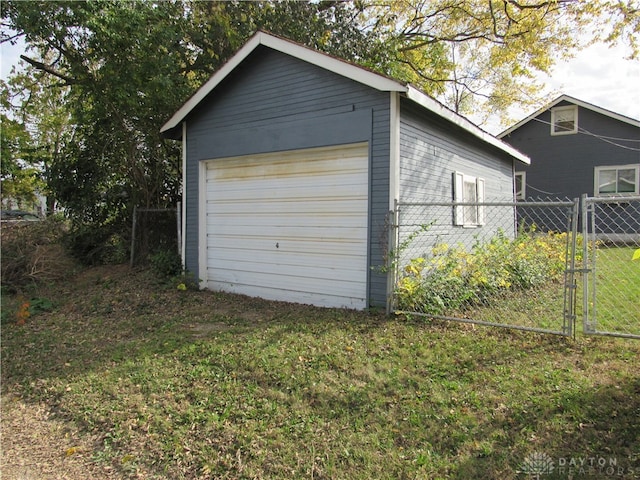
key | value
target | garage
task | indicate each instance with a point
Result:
(293, 163)
(289, 225)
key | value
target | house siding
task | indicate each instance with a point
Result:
(273, 102)
(430, 152)
(562, 166)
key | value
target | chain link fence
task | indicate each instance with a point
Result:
(611, 277)
(541, 266)
(507, 267)
(153, 230)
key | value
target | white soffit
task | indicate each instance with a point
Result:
(340, 67)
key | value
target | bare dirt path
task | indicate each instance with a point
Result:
(38, 446)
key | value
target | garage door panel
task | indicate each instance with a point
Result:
(296, 296)
(277, 233)
(327, 278)
(281, 166)
(297, 264)
(234, 279)
(260, 187)
(290, 226)
(334, 206)
(230, 246)
(221, 221)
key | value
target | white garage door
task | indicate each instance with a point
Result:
(290, 226)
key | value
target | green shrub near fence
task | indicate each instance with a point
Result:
(453, 278)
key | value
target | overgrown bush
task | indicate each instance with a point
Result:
(166, 263)
(452, 278)
(97, 245)
(33, 252)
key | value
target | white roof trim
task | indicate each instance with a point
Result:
(436, 107)
(327, 62)
(340, 67)
(574, 101)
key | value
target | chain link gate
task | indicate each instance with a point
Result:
(535, 266)
(610, 276)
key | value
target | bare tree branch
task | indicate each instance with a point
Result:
(49, 69)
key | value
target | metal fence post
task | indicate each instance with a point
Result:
(570, 289)
(584, 216)
(392, 262)
(133, 236)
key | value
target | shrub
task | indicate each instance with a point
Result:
(453, 278)
(33, 252)
(97, 245)
(166, 263)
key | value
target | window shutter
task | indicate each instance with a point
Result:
(480, 197)
(458, 196)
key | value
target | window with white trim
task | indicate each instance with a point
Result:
(520, 181)
(617, 180)
(564, 120)
(468, 189)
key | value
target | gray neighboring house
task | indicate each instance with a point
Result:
(292, 161)
(576, 148)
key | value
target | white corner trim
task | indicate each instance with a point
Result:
(394, 188)
(202, 224)
(394, 150)
(183, 206)
(436, 107)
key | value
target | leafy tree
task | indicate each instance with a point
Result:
(19, 180)
(104, 75)
(119, 70)
(118, 64)
(479, 55)
(43, 110)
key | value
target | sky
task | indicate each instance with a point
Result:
(598, 75)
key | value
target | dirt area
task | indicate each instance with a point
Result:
(38, 446)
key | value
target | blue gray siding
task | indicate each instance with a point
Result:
(562, 166)
(430, 152)
(273, 102)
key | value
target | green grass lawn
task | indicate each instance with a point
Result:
(197, 385)
(617, 283)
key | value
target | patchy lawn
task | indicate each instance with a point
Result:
(142, 380)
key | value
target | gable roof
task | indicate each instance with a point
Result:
(341, 67)
(575, 101)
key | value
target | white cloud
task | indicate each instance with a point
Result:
(598, 75)
(601, 76)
